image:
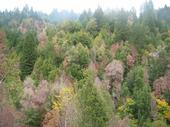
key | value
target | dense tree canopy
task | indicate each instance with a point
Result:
(101, 68)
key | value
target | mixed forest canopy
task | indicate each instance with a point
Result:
(94, 69)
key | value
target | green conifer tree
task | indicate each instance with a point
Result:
(28, 55)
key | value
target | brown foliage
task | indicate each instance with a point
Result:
(162, 84)
(70, 115)
(6, 118)
(31, 23)
(65, 114)
(51, 119)
(35, 97)
(2, 53)
(115, 48)
(8, 114)
(114, 71)
(131, 58)
(42, 38)
(61, 82)
(117, 122)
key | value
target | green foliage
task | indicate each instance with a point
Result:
(101, 54)
(122, 53)
(44, 69)
(33, 117)
(91, 27)
(13, 18)
(85, 17)
(12, 80)
(29, 54)
(48, 62)
(126, 109)
(142, 107)
(159, 63)
(159, 123)
(70, 26)
(134, 79)
(100, 19)
(107, 37)
(81, 37)
(95, 105)
(79, 55)
(140, 93)
(51, 31)
(167, 96)
(73, 44)
(79, 59)
(164, 36)
(167, 49)
(100, 73)
(121, 26)
(75, 71)
(148, 16)
(13, 37)
(47, 51)
(157, 68)
(139, 36)
(164, 16)
(99, 51)
(53, 52)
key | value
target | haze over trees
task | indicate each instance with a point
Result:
(94, 69)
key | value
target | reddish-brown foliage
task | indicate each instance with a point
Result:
(35, 97)
(162, 84)
(51, 119)
(2, 54)
(115, 48)
(42, 38)
(114, 72)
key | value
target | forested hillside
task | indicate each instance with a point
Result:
(94, 69)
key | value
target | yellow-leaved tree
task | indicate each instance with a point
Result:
(164, 108)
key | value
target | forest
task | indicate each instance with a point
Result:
(107, 68)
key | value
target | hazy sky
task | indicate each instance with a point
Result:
(77, 5)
